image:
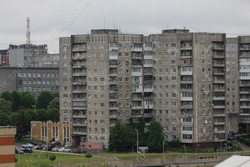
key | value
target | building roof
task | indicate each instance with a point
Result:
(4, 52)
(235, 161)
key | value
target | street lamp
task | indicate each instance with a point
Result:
(163, 149)
(197, 145)
(185, 151)
(137, 142)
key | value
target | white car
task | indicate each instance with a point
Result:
(67, 150)
(61, 149)
(28, 145)
(55, 149)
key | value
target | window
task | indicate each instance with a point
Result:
(186, 136)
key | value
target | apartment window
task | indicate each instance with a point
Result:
(187, 136)
(174, 112)
(173, 94)
(173, 78)
(173, 128)
(173, 103)
(173, 70)
(166, 111)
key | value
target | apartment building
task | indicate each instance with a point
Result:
(232, 84)
(176, 77)
(244, 82)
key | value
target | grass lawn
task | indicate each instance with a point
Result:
(41, 159)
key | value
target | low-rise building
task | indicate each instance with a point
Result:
(7, 146)
(51, 131)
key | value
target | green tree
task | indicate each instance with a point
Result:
(155, 137)
(43, 99)
(4, 119)
(5, 105)
(29, 115)
(7, 96)
(28, 100)
(53, 114)
(16, 101)
(20, 124)
(54, 103)
(13, 118)
(140, 126)
(42, 115)
(122, 137)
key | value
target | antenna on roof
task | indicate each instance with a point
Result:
(28, 31)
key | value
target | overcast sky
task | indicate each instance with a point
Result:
(50, 19)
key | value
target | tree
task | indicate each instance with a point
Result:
(4, 119)
(42, 115)
(122, 137)
(53, 114)
(88, 155)
(16, 100)
(28, 100)
(7, 96)
(54, 103)
(5, 106)
(43, 99)
(29, 115)
(155, 137)
(20, 125)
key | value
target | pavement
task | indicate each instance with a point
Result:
(244, 147)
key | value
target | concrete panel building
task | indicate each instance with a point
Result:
(176, 77)
(7, 146)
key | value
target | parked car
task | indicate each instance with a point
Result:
(28, 145)
(27, 150)
(79, 151)
(61, 149)
(38, 147)
(67, 150)
(18, 151)
(55, 149)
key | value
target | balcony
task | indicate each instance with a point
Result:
(219, 106)
(219, 131)
(186, 72)
(79, 132)
(187, 81)
(219, 98)
(149, 89)
(244, 106)
(148, 115)
(148, 65)
(244, 98)
(148, 98)
(219, 114)
(148, 48)
(80, 83)
(79, 49)
(80, 91)
(186, 98)
(244, 91)
(136, 98)
(148, 57)
(218, 56)
(79, 124)
(137, 115)
(137, 107)
(77, 66)
(148, 106)
(136, 49)
(245, 84)
(79, 57)
(218, 47)
(113, 82)
(113, 116)
(79, 99)
(137, 57)
(186, 106)
(218, 81)
(79, 107)
(79, 116)
(218, 64)
(113, 55)
(246, 48)
(113, 47)
(219, 123)
(79, 74)
(218, 73)
(113, 107)
(136, 73)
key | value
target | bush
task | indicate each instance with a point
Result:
(52, 157)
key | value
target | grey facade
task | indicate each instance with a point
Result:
(34, 80)
(176, 77)
(28, 55)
